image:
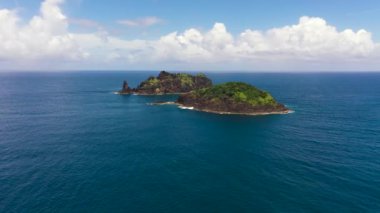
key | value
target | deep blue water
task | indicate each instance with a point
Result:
(68, 144)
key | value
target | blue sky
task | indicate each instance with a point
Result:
(237, 14)
(138, 25)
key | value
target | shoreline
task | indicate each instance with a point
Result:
(181, 106)
(142, 94)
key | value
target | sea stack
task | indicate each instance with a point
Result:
(125, 89)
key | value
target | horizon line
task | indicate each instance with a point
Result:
(192, 71)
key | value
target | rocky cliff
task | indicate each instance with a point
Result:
(168, 83)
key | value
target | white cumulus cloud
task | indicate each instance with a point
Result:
(310, 44)
(312, 39)
(45, 36)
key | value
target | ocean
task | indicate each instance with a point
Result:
(69, 144)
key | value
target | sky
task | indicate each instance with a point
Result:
(239, 35)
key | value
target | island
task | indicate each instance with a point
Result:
(168, 83)
(198, 93)
(232, 98)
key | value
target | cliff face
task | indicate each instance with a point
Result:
(234, 98)
(166, 83)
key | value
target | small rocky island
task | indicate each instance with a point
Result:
(168, 83)
(232, 98)
(198, 93)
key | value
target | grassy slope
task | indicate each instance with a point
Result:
(185, 79)
(238, 93)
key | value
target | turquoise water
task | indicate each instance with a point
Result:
(68, 144)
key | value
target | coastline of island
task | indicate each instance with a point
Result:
(287, 111)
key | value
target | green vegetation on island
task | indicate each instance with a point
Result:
(237, 92)
(234, 98)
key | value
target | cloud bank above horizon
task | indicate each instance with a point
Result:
(45, 42)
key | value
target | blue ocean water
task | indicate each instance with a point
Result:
(68, 144)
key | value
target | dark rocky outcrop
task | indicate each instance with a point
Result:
(168, 83)
(126, 88)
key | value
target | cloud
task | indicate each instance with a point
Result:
(310, 44)
(141, 22)
(87, 23)
(310, 40)
(45, 36)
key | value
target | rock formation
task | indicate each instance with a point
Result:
(168, 83)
